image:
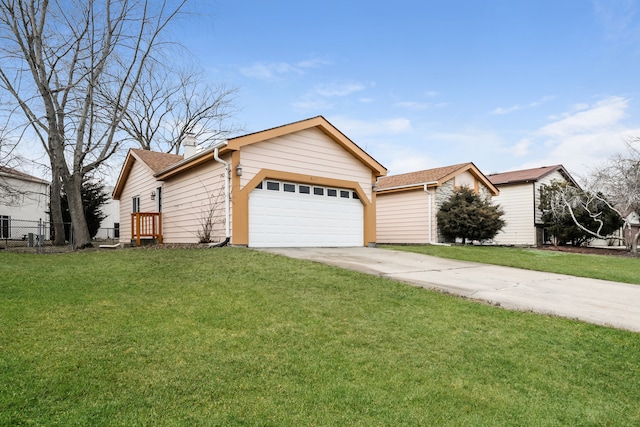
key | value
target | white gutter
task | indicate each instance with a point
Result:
(397, 187)
(227, 192)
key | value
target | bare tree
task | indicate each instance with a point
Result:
(574, 215)
(169, 104)
(58, 60)
(619, 180)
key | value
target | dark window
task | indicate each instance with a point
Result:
(116, 230)
(273, 186)
(135, 204)
(5, 230)
(304, 189)
(259, 186)
(344, 194)
(332, 193)
(318, 191)
(355, 195)
(289, 188)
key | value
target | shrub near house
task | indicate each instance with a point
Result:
(469, 216)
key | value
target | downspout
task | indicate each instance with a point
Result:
(227, 197)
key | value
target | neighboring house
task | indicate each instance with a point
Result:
(407, 204)
(520, 198)
(110, 226)
(24, 200)
(301, 184)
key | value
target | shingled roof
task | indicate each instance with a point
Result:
(419, 177)
(528, 175)
(435, 176)
(14, 173)
(155, 160)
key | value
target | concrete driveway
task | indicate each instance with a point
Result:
(595, 301)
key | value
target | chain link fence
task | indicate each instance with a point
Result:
(38, 236)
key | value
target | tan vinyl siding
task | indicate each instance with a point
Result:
(139, 183)
(187, 200)
(465, 179)
(308, 152)
(402, 217)
(518, 204)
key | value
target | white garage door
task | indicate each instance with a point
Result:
(283, 214)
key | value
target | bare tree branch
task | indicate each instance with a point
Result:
(171, 104)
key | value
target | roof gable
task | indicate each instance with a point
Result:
(529, 175)
(165, 165)
(435, 177)
(154, 160)
(317, 122)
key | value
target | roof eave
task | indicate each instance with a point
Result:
(190, 162)
(321, 123)
(415, 186)
(124, 174)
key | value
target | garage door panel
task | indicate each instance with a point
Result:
(280, 219)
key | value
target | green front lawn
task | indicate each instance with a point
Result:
(615, 268)
(237, 337)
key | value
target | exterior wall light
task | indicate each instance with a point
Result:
(153, 194)
(239, 170)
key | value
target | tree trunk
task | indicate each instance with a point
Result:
(73, 190)
(55, 209)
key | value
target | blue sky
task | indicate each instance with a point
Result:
(506, 84)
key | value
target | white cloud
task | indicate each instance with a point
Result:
(518, 107)
(338, 89)
(522, 148)
(617, 18)
(603, 115)
(271, 71)
(411, 105)
(317, 98)
(584, 137)
(407, 160)
(361, 128)
(313, 104)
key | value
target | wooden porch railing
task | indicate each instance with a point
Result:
(146, 225)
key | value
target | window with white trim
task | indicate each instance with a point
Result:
(290, 187)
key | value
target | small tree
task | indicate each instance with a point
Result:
(93, 198)
(212, 215)
(469, 216)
